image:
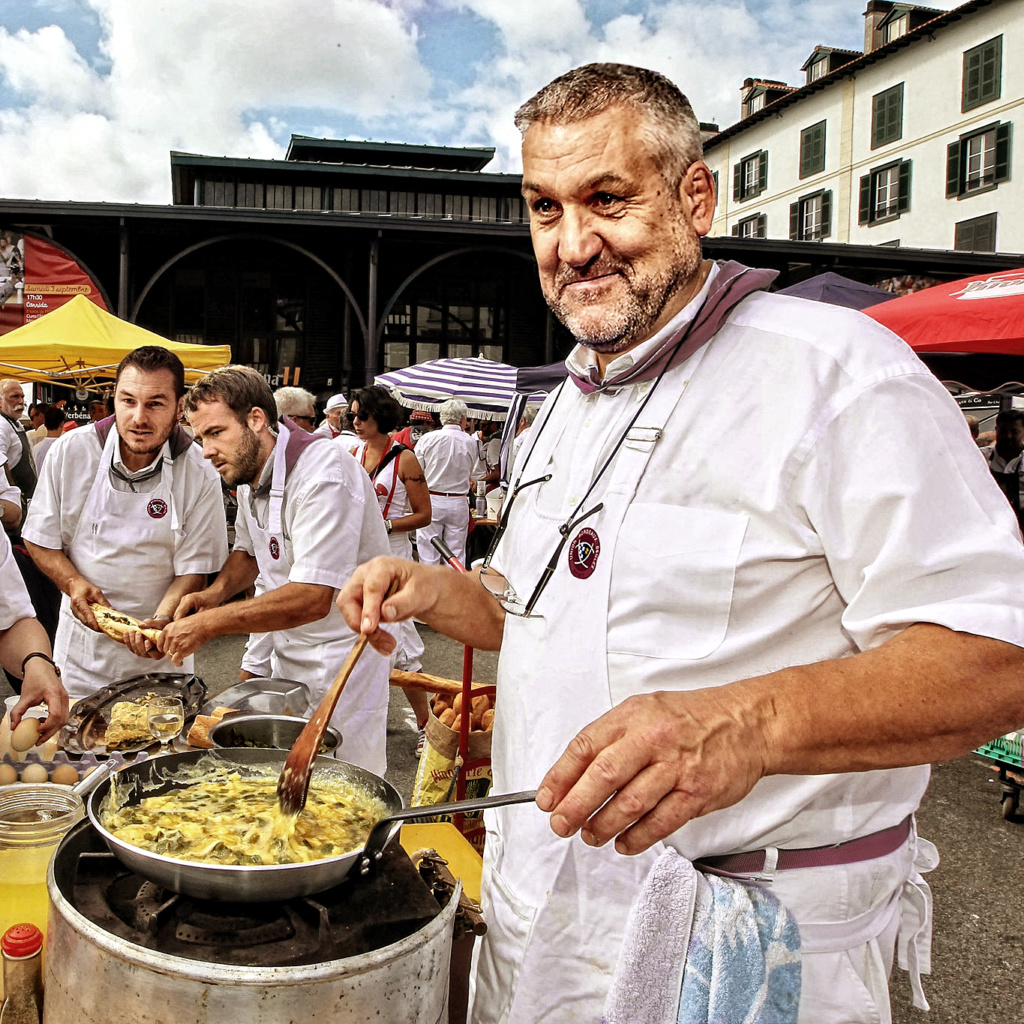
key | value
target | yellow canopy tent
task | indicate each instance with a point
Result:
(79, 344)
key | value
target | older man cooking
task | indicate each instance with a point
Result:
(748, 669)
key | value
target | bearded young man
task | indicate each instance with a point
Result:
(127, 514)
(307, 516)
(740, 672)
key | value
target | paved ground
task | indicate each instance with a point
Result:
(978, 951)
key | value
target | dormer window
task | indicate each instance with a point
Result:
(757, 102)
(896, 28)
(817, 70)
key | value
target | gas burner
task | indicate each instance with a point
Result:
(360, 915)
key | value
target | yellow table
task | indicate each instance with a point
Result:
(463, 861)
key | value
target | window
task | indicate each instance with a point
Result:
(756, 102)
(714, 178)
(810, 217)
(250, 194)
(308, 197)
(978, 161)
(976, 235)
(402, 203)
(896, 28)
(346, 200)
(430, 204)
(752, 227)
(812, 150)
(750, 176)
(817, 70)
(373, 200)
(279, 197)
(983, 72)
(885, 193)
(887, 116)
(219, 193)
(485, 208)
(457, 207)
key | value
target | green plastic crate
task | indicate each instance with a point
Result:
(1006, 749)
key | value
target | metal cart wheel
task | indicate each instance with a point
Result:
(1009, 805)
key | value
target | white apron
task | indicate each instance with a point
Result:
(313, 653)
(124, 543)
(557, 909)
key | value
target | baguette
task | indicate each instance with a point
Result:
(428, 683)
(117, 624)
(199, 734)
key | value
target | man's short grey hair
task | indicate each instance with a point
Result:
(668, 121)
(292, 401)
(454, 410)
(530, 414)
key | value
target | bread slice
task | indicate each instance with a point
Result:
(117, 624)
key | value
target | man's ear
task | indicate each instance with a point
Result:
(697, 191)
(181, 409)
(256, 419)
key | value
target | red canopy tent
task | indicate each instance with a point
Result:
(975, 314)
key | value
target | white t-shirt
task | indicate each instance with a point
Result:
(10, 442)
(450, 458)
(67, 476)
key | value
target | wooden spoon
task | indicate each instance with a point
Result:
(293, 784)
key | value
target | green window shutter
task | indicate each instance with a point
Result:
(762, 225)
(878, 108)
(1003, 152)
(736, 229)
(762, 178)
(894, 115)
(953, 173)
(864, 206)
(737, 182)
(794, 222)
(972, 79)
(991, 70)
(826, 213)
(903, 200)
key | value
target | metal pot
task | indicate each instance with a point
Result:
(246, 883)
(269, 732)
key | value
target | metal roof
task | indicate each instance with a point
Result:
(388, 154)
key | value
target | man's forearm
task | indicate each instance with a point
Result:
(237, 574)
(294, 604)
(55, 564)
(25, 637)
(926, 695)
(180, 586)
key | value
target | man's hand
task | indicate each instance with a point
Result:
(183, 637)
(360, 600)
(653, 763)
(199, 601)
(141, 645)
(82, 594)
(42, 685)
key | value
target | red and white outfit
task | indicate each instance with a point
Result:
(831, 541)
(393, 500)
(317, 524)
(128, 533)
(450, 460)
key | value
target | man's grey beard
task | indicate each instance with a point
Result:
(634, 321)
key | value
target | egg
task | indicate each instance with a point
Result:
(64, 775)
(7, 775)
(26, 735)
(34, 773)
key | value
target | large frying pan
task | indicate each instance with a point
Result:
(260, 882)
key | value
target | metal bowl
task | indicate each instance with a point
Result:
(274, 732)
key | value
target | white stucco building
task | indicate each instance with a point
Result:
(911, 142)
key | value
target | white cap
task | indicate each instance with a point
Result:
(335, 402)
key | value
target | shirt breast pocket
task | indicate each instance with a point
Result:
(672, 581)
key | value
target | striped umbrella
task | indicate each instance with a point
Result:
(487, 387)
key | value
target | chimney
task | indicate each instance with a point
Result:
(876, 11)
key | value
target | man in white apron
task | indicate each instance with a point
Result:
(307, 516)
(127, 514)
(752, 668)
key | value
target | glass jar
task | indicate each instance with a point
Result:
(33, 820)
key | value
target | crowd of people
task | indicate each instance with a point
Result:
(724, 681)
(129, 513)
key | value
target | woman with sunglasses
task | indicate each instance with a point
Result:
(404, 501)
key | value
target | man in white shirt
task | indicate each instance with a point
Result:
(307, 516)
(451, 460)
(14, 441)
(127, 515)
(334, 418)
(751, 671)
(298, 405)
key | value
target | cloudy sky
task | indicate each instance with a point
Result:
(95, 93)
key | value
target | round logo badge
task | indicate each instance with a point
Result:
(275, 548)
(584, 549)
(157, 508)
(382, 491)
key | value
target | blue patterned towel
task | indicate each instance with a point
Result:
(700, 949)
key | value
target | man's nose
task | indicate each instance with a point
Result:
(578, 239)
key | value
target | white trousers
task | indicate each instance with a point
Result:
(450, 522)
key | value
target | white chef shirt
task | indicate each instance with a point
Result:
(859, 507)
(15, 603)
(8, 491)
(330, 516)
(67, 476)
(10, 442)
(450, 458)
